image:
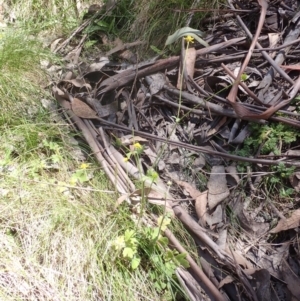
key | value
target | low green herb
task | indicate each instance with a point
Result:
(269, 138)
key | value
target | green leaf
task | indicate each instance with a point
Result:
(102, 24)
(170, 268)
(163, 222)
(56, 158)
(155, 258)
(134, 241)
(155, 233)
(169, 255)
(135, 262)
(128, 252)
(129, 234)
(90, 43)
(156, 50)
(81, 176)
(162, 285)
(181, 259)
(186, 31)
(163, 240)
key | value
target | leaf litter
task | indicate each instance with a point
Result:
(191, 118)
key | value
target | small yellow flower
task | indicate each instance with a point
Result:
(84, 166)
(125, 159)
(137, 146)
(189, 39)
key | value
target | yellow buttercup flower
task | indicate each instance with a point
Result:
(125, 159)
(137, 146)
(84, 166)
(189, 39)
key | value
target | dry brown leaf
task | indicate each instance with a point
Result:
(221, 241)
(190, 62)
(97, 66)
(295, 180)
(216, 217)
(193, 192)
(131, 139)
(291, 279)
(189, 65)
(154, 159)
(232, 176)
(217, 186)
(290, 223)
(290, 67)
(137, 194)
(240, 259)
(78, 83)
(226, 280)
(200, 206)
(273, 39)
(217, 127)
(120, 200)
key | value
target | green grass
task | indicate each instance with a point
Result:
(55, 236)
(148, 21)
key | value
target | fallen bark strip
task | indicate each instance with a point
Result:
(206, 284)
(251, 114)
(198, 231)
(189, 284)
(230, 113)
(208, 105)
(122, 79)
(120, 171)
(234, 89)
(260, 108)
(197, 148)
(93, 144)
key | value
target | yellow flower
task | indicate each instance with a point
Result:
(84, 166)
(125, 159)
(137, 146)
(189, 39)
